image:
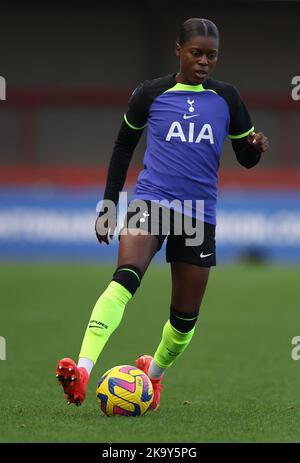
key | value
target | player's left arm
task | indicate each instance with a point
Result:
(247, 145)
(248, 149)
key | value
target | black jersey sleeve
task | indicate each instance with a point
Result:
(123, 149)
(138, 107)
(127, 139)
(239, 128)
(240, 121)
(246, 154)
(143, 96)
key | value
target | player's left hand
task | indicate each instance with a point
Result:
(259, 141)
(105, 228)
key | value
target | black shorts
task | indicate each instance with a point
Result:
(182, 245)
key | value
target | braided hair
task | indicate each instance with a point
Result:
(194, 27)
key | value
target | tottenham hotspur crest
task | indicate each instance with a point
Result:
(191, 107)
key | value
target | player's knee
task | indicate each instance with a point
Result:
(182, 321)
(128, 276)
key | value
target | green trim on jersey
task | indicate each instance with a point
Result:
(132, 126)
(189, 88)
(210, 90)
(242, 135)
(185, 87)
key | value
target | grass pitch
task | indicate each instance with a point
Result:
(235, 383)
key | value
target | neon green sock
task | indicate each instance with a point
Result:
(172, 345)
(106, 317)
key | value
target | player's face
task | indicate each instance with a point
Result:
(198, 58)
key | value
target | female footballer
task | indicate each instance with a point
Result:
(188, 116)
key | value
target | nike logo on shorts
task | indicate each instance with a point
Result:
(205, 255)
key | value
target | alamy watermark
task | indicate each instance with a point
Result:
(295, 354)
(2, 348)
(2, 88)
(296, 90)
(184, 218)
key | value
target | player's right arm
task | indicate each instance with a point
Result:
(135, 120)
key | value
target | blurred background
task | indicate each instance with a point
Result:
(69, 72)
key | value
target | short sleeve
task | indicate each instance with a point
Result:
(240, 122)
(138, 106)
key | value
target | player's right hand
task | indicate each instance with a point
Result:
(105, 228)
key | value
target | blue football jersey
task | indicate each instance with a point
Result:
(186, 129)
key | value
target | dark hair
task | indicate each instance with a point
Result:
(197, 26)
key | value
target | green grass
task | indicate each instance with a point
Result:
(237, 374)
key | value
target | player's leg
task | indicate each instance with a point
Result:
(135, 254)
(188, 288)
(190, 266)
